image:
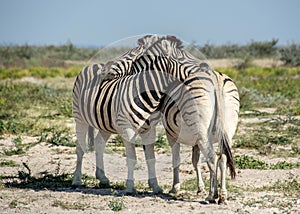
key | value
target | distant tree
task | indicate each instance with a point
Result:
(262, 49)
(290, 54)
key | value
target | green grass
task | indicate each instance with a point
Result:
(24, 106)
(57, 137)
(8, 163)
(18, 148)
(249, 162)
(189, 184)
(289, 187)
(116, 203)
(69, 205)
(39, 72)
(268, 87)
(162, 142)
(268, 135)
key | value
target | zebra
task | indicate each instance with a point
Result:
(181, 75)
(230, 97)
(121, 106)
(179, 113)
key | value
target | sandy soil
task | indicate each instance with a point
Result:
(46, 158)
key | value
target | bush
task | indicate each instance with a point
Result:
(72, 71)
(262, 49)
(290, 55)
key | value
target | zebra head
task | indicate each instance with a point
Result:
(175, 51)
(121, 66)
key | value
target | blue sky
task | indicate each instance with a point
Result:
(99, 23)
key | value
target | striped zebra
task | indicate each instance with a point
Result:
(186, 68)
(229, 100)
(124, 106)
(183, 111)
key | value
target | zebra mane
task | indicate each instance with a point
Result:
(177, 42)
(166, 44)
(148, 40)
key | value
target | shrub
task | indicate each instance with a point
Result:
(290, 55)
(72, 71)
(247, 162)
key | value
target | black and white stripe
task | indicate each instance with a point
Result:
(137, 90)
(179, 109)
(122, 105)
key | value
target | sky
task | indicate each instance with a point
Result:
(100, 23)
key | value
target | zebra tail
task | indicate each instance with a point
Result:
(91, 139)
(221, 132)
(227, 151)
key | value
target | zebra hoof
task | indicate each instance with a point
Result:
(157, 190)
(222, 202)
(104, 184)
(210, 200)
(201, 191)
(154, 185)
(75, 186)
(132, 192)
(175, 189)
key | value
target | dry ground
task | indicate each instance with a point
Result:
(253, 190)
(248, 193)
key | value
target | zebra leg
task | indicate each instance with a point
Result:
(176, 164)
(81, 130)
(207, 149)
(223, 167)
(213, 187)
(148, 140)
(100, 143)
(195, 161)
(128, 135)
(131, 161)
(150, 159)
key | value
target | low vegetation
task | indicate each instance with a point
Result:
(249, 162)
(40, 106)
(116, 203)
(25, 56)
(277, 136)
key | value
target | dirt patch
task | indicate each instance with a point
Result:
(250, 192)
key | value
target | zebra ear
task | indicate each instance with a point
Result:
(166, 47)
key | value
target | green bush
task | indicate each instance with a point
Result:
(57, 137)
(247, 162)
(290, 55)
(72, 71)
(264, 49)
